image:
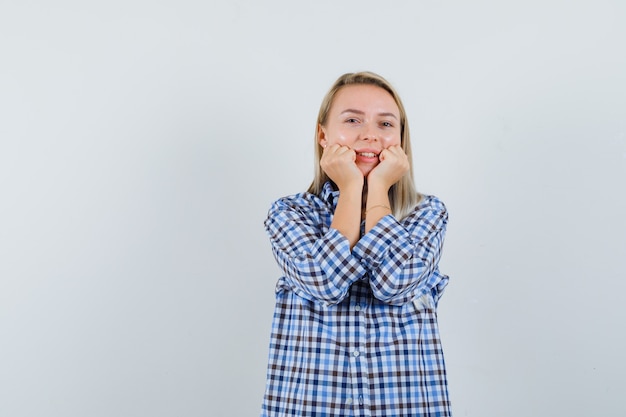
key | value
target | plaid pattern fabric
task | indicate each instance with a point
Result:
(355, 332)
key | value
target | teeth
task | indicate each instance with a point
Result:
(368, 154)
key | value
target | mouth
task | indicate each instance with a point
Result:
(367, 154)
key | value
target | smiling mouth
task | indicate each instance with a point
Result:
(367, 154)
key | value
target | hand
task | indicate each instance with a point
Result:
(393, 165)
(339, 163)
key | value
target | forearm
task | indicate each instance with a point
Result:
(402, 256)
(315, 258)
(347, 216)
(378, 205)
(324, 272)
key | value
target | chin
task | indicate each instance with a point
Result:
(366, 171)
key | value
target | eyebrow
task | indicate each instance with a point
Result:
(388, 114)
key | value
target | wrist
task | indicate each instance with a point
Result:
(382, 209)
(377, 187)
(353, 187)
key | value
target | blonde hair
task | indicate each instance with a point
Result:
(402, 195)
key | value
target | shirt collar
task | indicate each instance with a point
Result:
(329, 194)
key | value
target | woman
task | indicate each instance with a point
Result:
(355, 327)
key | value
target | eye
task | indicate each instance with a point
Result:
(352, 120)
(387, 124)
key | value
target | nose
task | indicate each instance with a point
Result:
(369, 133)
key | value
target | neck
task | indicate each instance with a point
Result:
(364, 199)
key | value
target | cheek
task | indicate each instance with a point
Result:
(339, 138)
(391, 140)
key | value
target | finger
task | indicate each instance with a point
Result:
(385, 153)
(344, 151)
(334, 149)
(329, 152)
(337, 154)
(395, 150)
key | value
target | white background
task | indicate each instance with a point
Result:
(142, 142)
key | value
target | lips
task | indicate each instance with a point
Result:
(367, 154)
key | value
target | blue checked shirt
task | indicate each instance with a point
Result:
(355, 331)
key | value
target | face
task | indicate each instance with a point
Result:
(364, 118)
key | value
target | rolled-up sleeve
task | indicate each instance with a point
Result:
(316, 259)
(401, 257)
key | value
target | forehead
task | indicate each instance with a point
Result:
(364, 97)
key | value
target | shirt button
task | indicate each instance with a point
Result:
(357, 307)
(356, 353)
(349, 401)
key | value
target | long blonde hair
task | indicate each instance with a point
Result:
(402, 195)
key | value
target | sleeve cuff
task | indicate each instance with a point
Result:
(371, 249)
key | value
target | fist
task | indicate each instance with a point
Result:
(393, 165)
(339, 163)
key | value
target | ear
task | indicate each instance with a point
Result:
(321, 136)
